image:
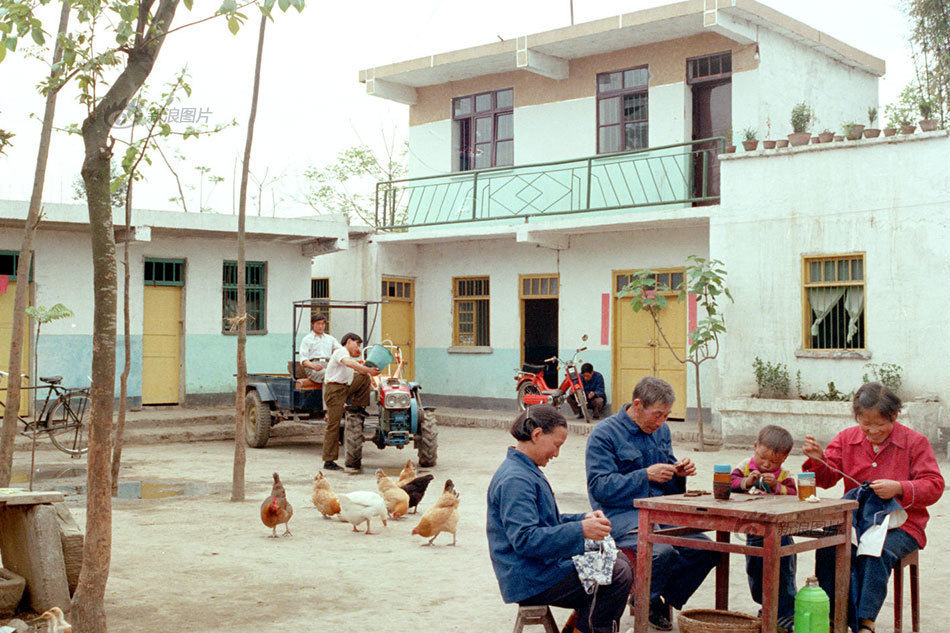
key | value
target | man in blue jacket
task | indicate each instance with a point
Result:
(593, 382)
(630, 456)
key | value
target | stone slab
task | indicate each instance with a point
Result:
(30, 546)
(72, 538)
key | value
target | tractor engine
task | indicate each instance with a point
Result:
(396, 413)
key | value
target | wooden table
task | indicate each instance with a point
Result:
(768, 516)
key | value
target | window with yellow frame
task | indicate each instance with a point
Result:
(833, 298)
(539, 286)
(470, 306)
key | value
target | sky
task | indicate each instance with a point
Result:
(311, 103)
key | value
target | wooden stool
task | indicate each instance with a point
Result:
(908, 561)
(535, 615)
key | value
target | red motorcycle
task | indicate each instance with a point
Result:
(532, 389)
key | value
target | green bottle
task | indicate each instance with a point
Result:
(812, 609)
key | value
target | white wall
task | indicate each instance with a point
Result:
(789, 73)
(888, 199)
(430, 149)
(549, 132)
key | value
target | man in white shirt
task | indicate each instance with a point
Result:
(316, 347)
(345, 378)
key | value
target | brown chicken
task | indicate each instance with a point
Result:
(276, 509)
(442, 517)
(324, 498)
(408, 474)
(396, 499)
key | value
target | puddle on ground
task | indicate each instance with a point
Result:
(47, 473)
(134, 489)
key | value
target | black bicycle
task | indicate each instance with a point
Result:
(62, 416)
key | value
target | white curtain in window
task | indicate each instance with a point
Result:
(854, 304)
(822, 300)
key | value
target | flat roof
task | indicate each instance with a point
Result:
(75, 217)
(736, 21)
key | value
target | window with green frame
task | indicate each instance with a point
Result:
(164, 272)
(255, 292)
(9, 260)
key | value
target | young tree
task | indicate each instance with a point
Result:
(706, 281)
(349, 184)
(240, 447)
(152, 115)
(8, 432)
(930, 43)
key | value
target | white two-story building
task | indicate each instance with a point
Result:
(545, 169)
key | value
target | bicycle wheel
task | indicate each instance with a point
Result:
(65, 423)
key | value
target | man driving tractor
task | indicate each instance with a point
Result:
(316, 347)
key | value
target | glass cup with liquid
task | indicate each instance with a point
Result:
(806, 485)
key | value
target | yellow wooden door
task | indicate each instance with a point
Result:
(639, 350)
(398, 320)
(161, 338)
(672, 319)
(6, 326)
(634, 350)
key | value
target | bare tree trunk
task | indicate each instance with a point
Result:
(124, 378)
(699, 410)
(240, 449)
(88, 605)
(15, 368)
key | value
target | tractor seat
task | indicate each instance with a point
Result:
(53, 380)
(533, 369)
(305, 384)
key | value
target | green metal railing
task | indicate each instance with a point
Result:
(683, 173)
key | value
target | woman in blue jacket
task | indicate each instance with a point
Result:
(531, 542)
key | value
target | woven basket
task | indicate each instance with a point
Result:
(715, 621)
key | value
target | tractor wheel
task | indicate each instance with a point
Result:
(256, 420)
(428, 445)
(525, 388)
(353, 441)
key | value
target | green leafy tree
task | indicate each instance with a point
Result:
(348, 185)
(705, 279)
(930, 45)
(110, 55)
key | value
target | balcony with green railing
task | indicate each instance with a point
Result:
(682, 174)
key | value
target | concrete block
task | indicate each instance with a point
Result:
(71, 536)
(30, 546)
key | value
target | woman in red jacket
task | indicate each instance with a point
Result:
(900, 464)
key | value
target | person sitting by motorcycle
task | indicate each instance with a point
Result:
(345, 378)
(594, 388)
(316, 347)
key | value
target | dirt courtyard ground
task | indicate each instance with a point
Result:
(201, 563)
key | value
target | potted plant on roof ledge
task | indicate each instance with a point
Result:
(927, 124)
(751, 139)
(801, 120)
(852, 130)
(870, 131)
(826, 136)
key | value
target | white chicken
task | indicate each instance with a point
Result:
(362, 505)
(56, 621)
